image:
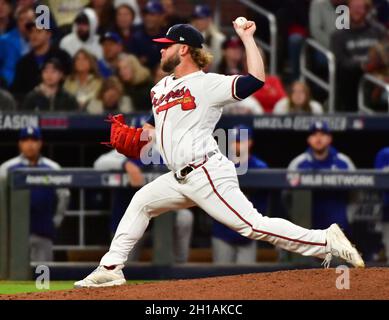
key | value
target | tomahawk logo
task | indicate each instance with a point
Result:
(180, 96)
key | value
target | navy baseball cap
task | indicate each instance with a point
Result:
(236, 133)
(184, 34)
(112, 36)
(319, 126)
(30, 132)
(153, 7)
(201, 11)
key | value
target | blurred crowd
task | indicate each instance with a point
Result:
(98, 56)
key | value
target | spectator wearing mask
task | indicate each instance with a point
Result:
(227, 245)
(7, 102)
(47, 205)
(124, 26)
(147, 50)
(327, 206)
(202, 20)
(112, 48)
(6, 21)
(49, 94)
(84, 35)
(382, 163)
(85, 81)
(351, 48)
(183, 221)
(110, 99)
(233, 57)
(28, 69)
(14, 44)
(136, 80)
(298, 101)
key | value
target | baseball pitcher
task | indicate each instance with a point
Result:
(187, 105)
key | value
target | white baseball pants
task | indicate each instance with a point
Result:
(213, 187)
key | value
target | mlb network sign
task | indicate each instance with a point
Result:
(330, 180)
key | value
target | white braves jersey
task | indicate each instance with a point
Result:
(186, 111)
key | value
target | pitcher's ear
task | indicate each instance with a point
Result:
(184, 49)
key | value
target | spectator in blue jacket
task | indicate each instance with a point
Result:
(228, 246)
(112, 45)
(28, 68)
(146, 50)
(382, 163)
(327, 206)
(14, 44)
(47, 205)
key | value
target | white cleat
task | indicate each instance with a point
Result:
(103, 277)
(339, 246)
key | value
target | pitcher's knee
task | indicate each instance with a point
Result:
(139, 204)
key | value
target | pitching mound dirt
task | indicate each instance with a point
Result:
(372, 283)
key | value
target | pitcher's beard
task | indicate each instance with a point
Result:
(169, 65)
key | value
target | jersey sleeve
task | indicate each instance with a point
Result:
(220, 89)
(223, 89)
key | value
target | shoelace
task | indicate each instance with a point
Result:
(111, 119)
(327, 260)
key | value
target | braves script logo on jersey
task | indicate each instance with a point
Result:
(180, 96)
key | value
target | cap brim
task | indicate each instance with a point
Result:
(164, 40)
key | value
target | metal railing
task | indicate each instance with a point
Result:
(81, 213)
(272, 46)
(362, 107)
(306, 73)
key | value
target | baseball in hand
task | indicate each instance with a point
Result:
(241, 22)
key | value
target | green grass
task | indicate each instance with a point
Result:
(12, 287)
